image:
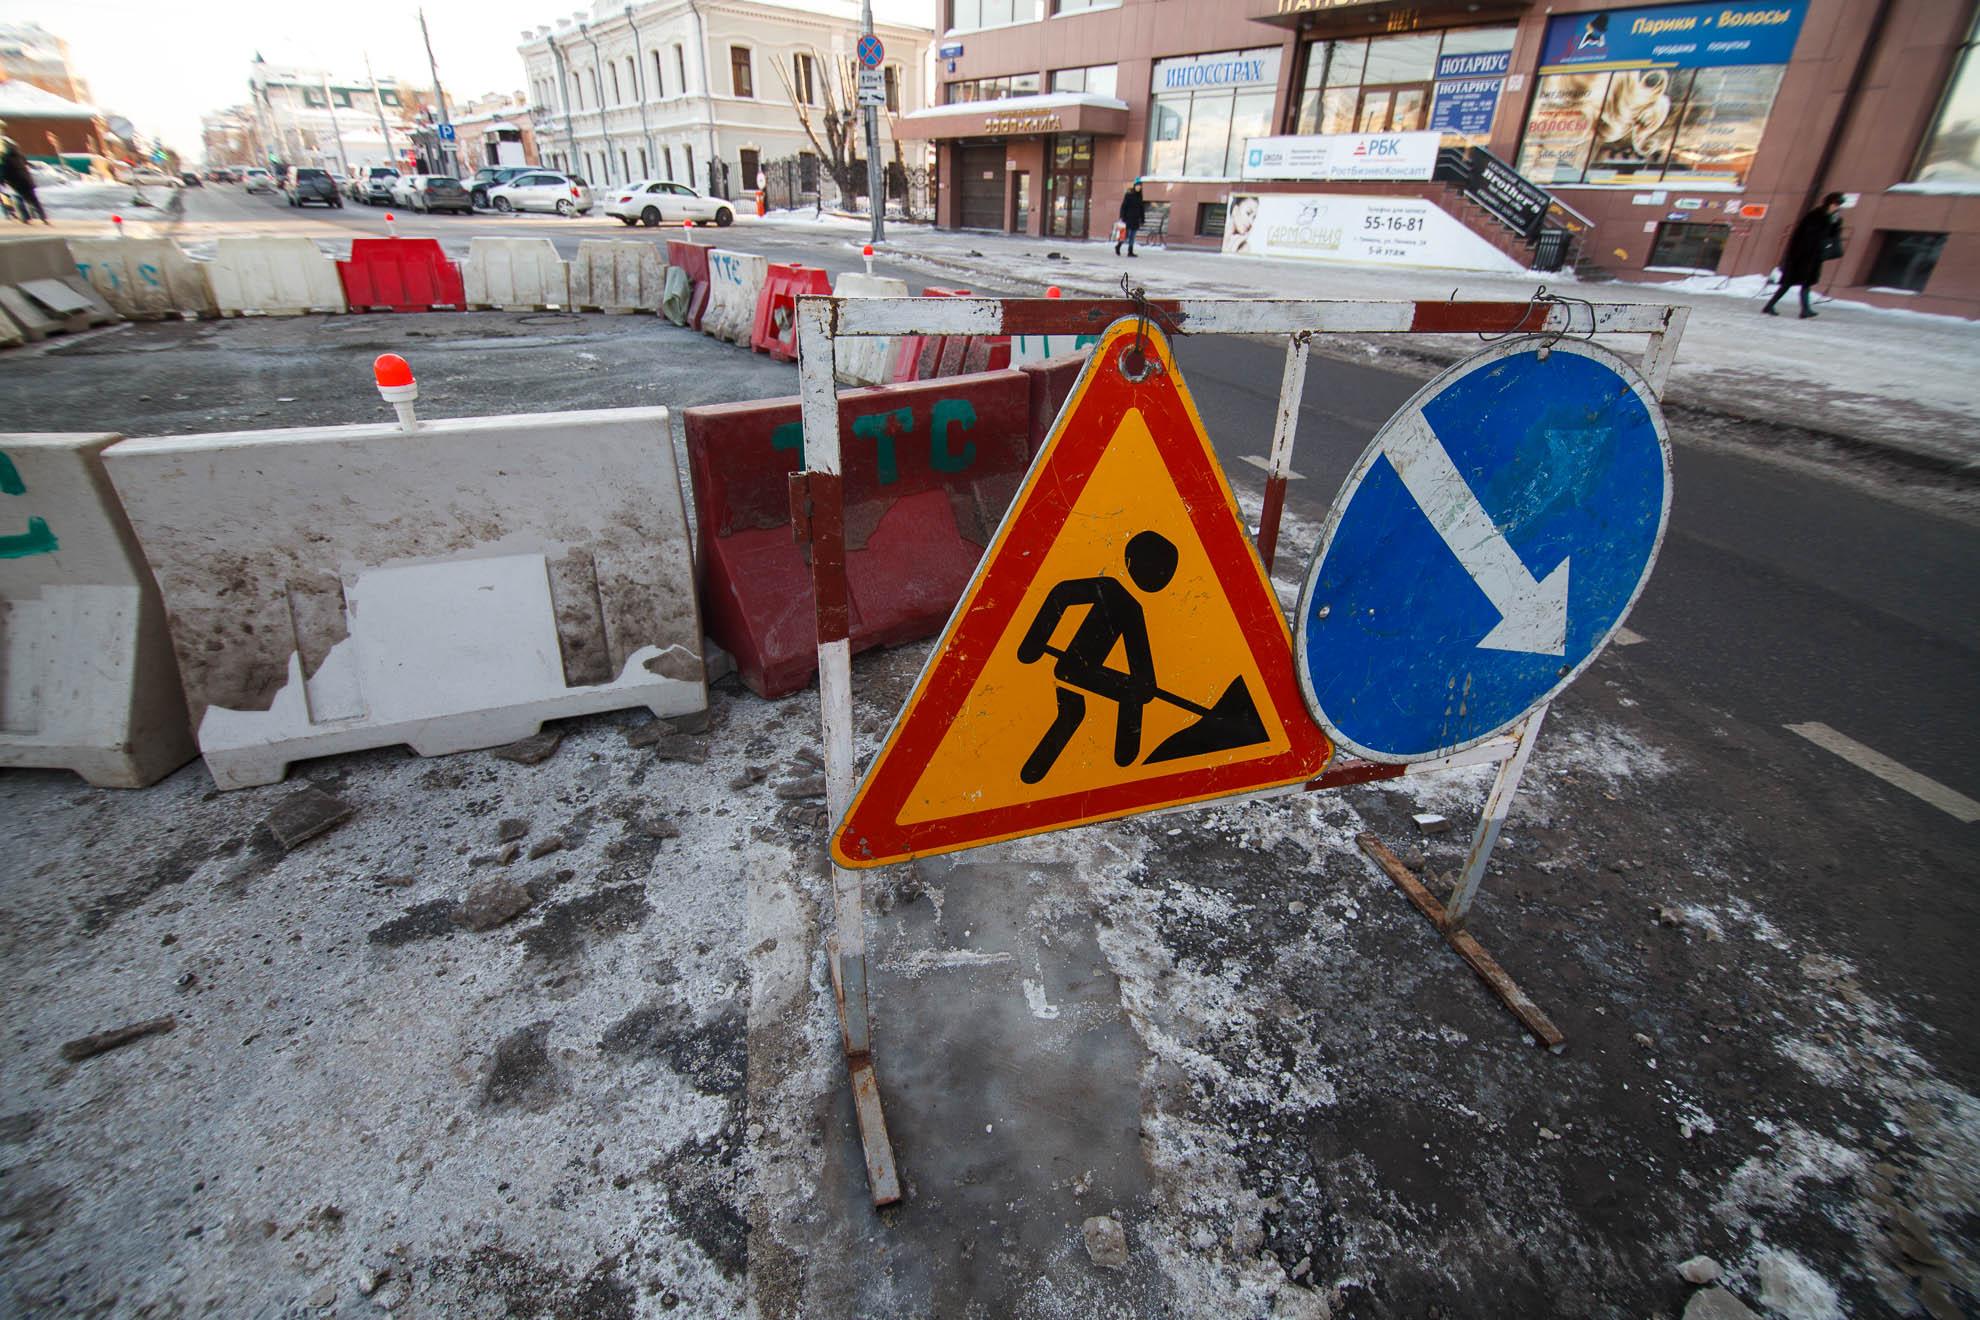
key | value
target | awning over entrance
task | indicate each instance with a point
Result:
(1019, 116)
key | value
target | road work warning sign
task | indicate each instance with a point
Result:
(1119, 649)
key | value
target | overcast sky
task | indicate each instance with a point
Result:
(162, 65)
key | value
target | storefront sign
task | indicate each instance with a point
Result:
(952, 51)
(1468, 89)
(1357, 156)
(1223, 69)
(1382, 231)
(1674, 36)
(1032, 123)
(1303, 6)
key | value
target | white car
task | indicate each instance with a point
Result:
(405, 189)
(256, 180)
(659, 201)
(542, 190)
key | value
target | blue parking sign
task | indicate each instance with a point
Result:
(1483, 550)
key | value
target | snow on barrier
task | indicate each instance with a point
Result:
(87, 680)
(400, 275)
(515, 275)
(618, 275)
(775, 328)
(451, 588)
(144, 279)
(867, 360)
(692, 257)
(735, 286)
(274, 277)
(929, 471)
(41, 294)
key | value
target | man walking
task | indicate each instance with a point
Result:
(1133, 211)
(1817, 238)
(19, 179)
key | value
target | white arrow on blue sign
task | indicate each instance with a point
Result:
(1484, 549)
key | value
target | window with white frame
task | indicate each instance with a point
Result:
(742, 80)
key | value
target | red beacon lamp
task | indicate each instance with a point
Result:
(397, 387)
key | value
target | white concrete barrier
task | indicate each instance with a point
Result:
(735, 283)
(338, 588)
(618, 275)
(515, 275)
(863, 360)
(275, 276)
(144, 279)
(41, 294)
(87, 680)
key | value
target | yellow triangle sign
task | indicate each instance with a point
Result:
(1119, 650)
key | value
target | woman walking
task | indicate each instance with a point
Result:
(1816, 238)
(1133, 212)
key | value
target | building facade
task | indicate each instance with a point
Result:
(1666, 139)
(302, 116)
(706, 92)
(50, 127)
(32, 55)
(493, 130)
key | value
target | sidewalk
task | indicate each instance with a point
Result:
(1900, 382)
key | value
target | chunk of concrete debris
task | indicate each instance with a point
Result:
(1700, 1270)
(658, 827)
(544, 847)
(511, 829)
(304, 814)
(1716, 1304)
(85, 1047)
(1429, 822)
(685, 750)
(533, 750)
(1106, 1241)
(645, 735)
(509, 853)
(493, 902)
(798, 790)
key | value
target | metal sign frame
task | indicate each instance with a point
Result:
(818, 518)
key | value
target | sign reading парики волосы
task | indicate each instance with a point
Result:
(1686, 36)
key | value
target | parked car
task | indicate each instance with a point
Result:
(257, 180)
(151, 178)
(488, 176)
(542, 190)
(377, 182)
(307, 183)
(224, 175)
(426, 193)
(191, 180)
(658, 201)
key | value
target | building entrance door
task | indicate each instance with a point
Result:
(1021, 202)
(980, 177)
(1068, 185)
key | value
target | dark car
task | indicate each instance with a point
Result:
(378, 181)
(192, 180)
(489, 176)
(437, 192)
(306, 184)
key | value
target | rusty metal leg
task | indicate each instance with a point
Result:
(1285, 424)
(818, 516)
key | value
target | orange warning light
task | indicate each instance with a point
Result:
(391, 370)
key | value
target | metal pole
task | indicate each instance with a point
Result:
(639, 90)
(378, 104)
(447, 149)
(1498, 803)
(876, 197)
(1291, 387)
(330, 100)
(598, 86)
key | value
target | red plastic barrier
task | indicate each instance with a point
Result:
(986, 353)
(692, 258)
(400, 275)
(920, 357)
(929, 470)
(1051, 383)
(775, 328)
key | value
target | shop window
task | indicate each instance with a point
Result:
(741, 80)
(1688, 246)
(1951, 152)
(1081, 6)
(1095, 80)
(968, 15)
(1203, 109)
(1617, 104)
(1905, 259)
(968, 90)
(1405, 83)
(1210, 219)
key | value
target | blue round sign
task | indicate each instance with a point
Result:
(1483, 550)
(871, 52)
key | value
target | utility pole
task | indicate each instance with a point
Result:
(378, 104)
(445, 131)
(336, 125)
(876, 197)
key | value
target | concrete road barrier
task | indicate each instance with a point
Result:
(867, 361)
(87, 679)
(274, 277)
(338, 588)
(929, 471)
(41, 294)
(735, 285)
(774, 330)
(691, 257)
(618, 275)
(400, 275)
(515, 275)
(144, 279)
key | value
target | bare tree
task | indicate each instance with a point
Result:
(834, 125)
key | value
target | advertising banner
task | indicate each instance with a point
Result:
(1331, 156)
(1468, 88)
(1674, 36)
(1382, 231)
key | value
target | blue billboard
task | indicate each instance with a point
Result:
(1674, 36)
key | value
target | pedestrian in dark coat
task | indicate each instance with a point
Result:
(1817, 238)
(14, 172)
(1133, 211)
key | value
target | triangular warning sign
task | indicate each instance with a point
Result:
(1119, 650)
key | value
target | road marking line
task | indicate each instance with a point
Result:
(1265, 465)
(1629, 637)
(1957, 805)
